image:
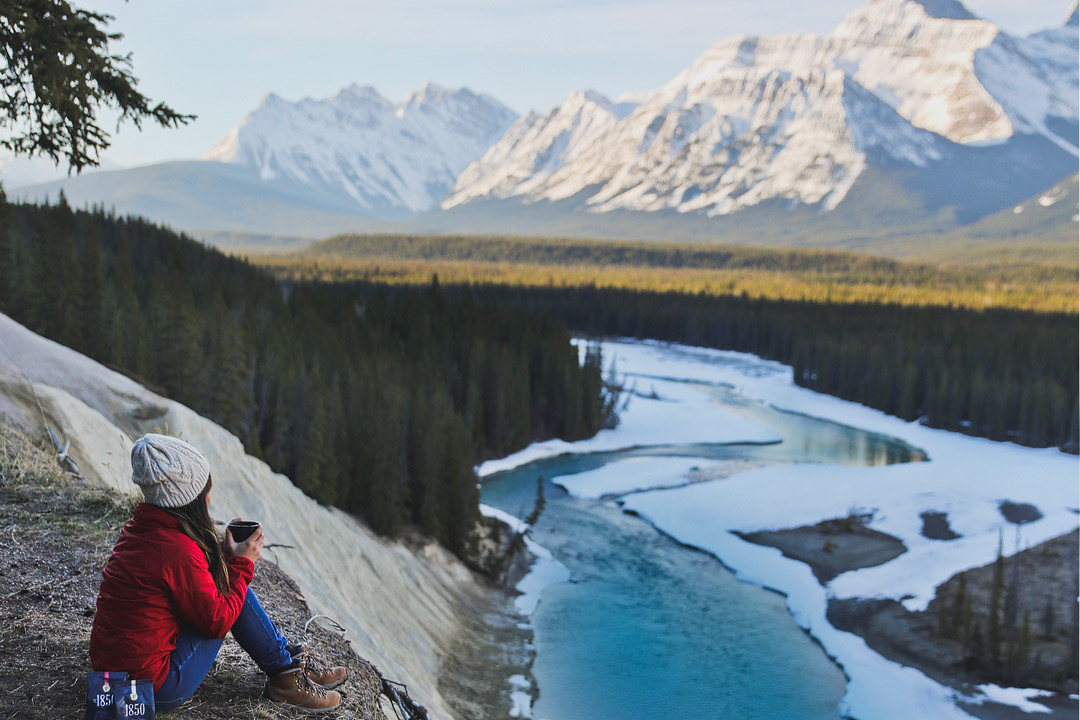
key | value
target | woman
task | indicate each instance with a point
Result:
(170, 592)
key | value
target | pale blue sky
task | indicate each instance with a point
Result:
(218, 59)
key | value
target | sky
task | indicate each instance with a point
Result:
(218, 60)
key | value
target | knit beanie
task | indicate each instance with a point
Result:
(170, 472)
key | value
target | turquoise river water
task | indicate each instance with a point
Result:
(652, 629)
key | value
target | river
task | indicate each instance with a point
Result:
(648, 628)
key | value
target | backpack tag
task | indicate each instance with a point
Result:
(99, 699)
(133, 700)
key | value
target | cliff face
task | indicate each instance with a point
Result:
(403, 607)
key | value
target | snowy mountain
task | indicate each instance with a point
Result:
(389, 159)
(911, 116)
(898, 84)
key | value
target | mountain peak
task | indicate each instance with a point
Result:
(894, 13)
(428, 92)
(945, 9)
(361, 93)
(581, 97)
(791, 118)
(1074, 17)
(431, 94)
(360, 148)
(272, 99)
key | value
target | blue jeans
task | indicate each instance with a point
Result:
(191, 660)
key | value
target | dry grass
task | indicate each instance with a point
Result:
(1038, 289)
(55, 536)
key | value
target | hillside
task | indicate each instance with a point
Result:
(58, 534)
(404, 605)
(195, 196)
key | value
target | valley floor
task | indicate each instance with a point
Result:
(895, 555)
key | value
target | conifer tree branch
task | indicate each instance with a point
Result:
(57, 73)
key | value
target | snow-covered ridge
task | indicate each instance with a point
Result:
(795, 118)
(386, 157)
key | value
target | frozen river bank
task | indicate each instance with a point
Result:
(695, 429)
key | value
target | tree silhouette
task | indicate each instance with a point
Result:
(57, 75)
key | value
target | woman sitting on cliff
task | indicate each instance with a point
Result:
(171, 591)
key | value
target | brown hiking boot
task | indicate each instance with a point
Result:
(294, 688)
(329, 676)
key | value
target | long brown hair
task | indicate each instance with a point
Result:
(195, 522)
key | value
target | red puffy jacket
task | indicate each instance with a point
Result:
(156, 581)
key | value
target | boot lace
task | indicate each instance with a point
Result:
(305, 685)
(313, 666)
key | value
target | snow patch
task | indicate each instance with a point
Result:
(545, 570)
(1017, 697)
(630, 475)
(655, 417)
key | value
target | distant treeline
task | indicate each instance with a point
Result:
(773, 273)
(602, 253)
(1001, 374)
(379, 403)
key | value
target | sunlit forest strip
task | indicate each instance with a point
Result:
(1034, 289)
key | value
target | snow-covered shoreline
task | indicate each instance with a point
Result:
(658, 420)
(967, 478)
(543, 572)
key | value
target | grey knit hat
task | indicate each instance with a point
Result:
(170, 472)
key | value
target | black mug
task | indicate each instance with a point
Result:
(241, 530)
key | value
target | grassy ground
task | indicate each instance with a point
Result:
(55, 536)
(692, 268)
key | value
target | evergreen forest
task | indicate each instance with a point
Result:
(999, 373)
(380, 403)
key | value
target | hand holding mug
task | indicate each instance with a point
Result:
(250, 536)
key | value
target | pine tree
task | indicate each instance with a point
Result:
(230, 379)
(1048, 619)
(315, 458)
(8, 268)
(128, 342)
(994, 630)
(176, 353)
(1023, 660)
(943, 627)
(977, 650)
(1011, 611)
(42, 257)
(538, 506)
(92, 307)
(958, 609)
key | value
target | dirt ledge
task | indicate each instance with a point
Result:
(55, 536)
